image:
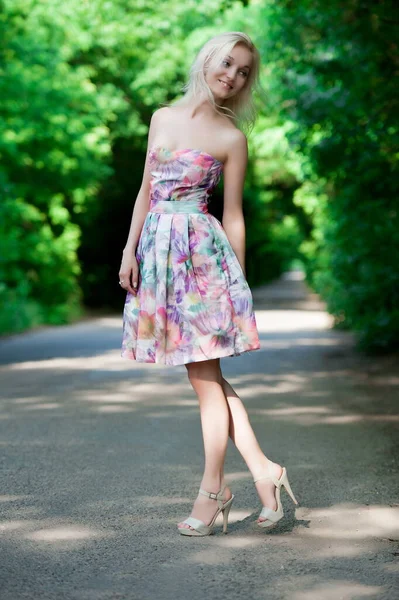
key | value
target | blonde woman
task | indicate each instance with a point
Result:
(188, 301)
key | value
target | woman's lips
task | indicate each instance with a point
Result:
(227, 86)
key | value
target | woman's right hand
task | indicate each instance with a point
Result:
(129, 272)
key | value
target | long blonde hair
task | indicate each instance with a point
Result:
(241, 107)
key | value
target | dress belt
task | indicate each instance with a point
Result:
(180, 206)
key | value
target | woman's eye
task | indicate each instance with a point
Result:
(226, 63)
(244, 73)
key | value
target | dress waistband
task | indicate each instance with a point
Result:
(180, 206)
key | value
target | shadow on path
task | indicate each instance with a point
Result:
(101, 457)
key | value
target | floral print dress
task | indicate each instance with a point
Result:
(193, 302)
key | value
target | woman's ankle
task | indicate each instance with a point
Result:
(262, 467)
(212, 484)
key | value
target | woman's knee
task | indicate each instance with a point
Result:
(207, 370)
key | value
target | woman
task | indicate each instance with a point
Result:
(188, 301)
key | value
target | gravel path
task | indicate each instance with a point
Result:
(100, 457)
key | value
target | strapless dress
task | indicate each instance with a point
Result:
(193, 302)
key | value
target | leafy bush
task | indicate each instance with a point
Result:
(37, 269)
(52, 145)
(331, 72)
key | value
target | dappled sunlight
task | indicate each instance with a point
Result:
(26, 400)
(335, 530)
(299, 376)
(155, 501)
(109, 360)
(282, 387)
(98, 396)
(354, 418)
(13, 498)
(209, 556)
(42, 406)
(391, 568)
(238, 542)
(318, 415)
(148, 393)
(236, 516)
(243, 378)
(237, 476)
(298, 342)
(16, 525)
(349, 521)
(295, 410)
(190, 403)
(110, 322)
(148, 389)
(272, 321)
(44, 532)
(115, 408)
(164, 414)
(264, 394)
(333, 589)
(64, 533)
(382, 381)
(18, 443)
(304, 415)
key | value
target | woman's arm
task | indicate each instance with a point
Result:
(141, 205)
(128, 272)
(234, 175)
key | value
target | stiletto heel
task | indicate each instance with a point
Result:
(225, 512)
(273, 516)
(199, 527)
(286, 484)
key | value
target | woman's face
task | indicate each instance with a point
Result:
(227, 79)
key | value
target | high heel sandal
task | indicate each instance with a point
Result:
(273, 516)
(199, 527)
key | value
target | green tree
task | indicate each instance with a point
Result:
(53, 142)
(332, 75)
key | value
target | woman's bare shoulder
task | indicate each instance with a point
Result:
(159, 119)
(238, 138)
(230, 130)
(165, 113)
(160, 114)
(233, 138)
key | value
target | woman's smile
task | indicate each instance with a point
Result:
(227, 86)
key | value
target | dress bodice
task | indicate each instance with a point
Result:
(182, 175)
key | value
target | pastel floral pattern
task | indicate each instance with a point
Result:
(193, 302)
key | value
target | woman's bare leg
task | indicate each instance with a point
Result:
(205, 377)
(243, 436)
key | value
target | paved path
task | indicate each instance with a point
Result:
(100, 457)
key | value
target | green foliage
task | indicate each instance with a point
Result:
(52, 143)
(276, 226)
(331, 71)
(38, 269)
(79, 82)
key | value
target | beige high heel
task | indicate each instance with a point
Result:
(273, 516)
(199, 527)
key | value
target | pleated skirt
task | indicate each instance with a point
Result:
(193, 302)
